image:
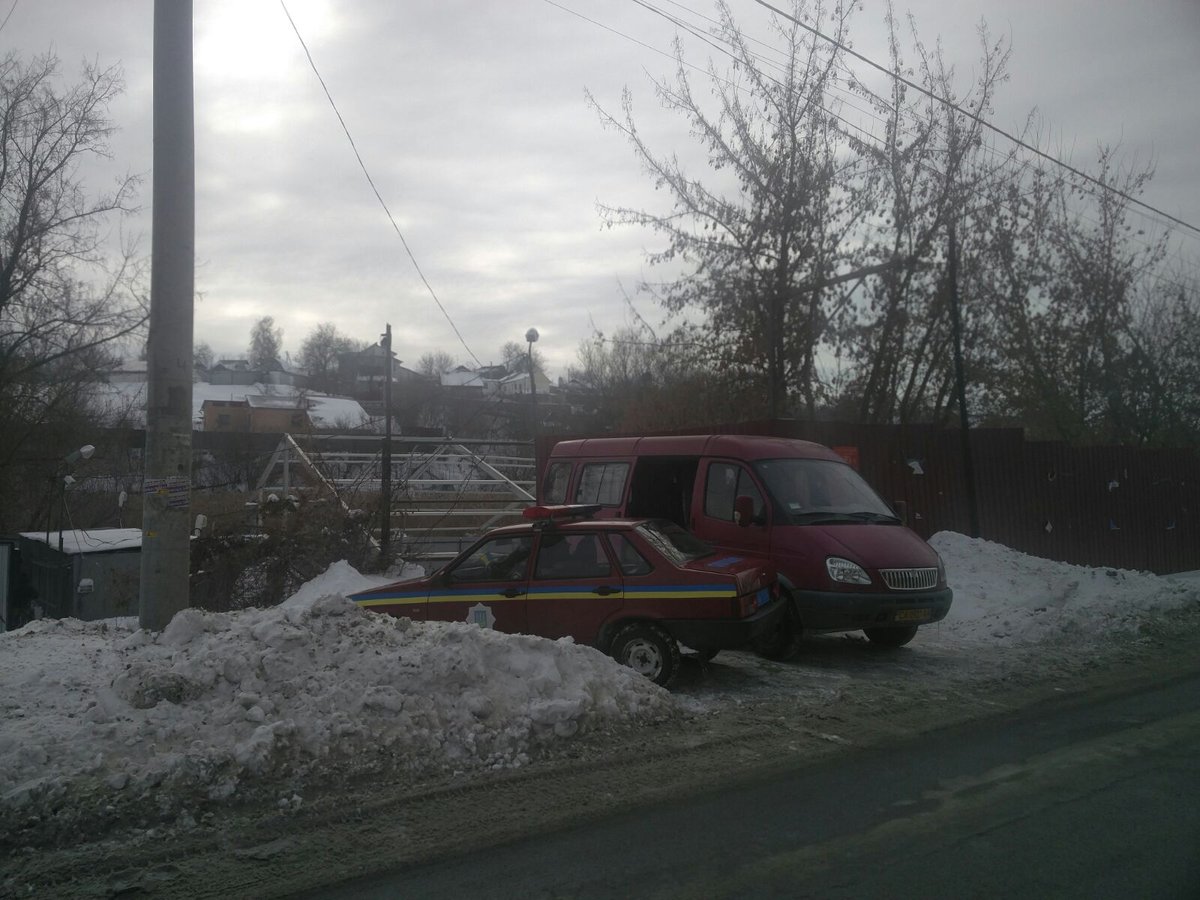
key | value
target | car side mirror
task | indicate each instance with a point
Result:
(743, 511)
(901, 508)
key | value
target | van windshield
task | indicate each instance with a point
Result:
(673, 542)
(822, 492)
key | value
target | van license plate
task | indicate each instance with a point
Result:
(912, 615)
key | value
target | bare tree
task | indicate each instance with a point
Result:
(927, 171)
(319, 354)
(763, 234)
(66, 293)
(266, 342)
(516, 358)
(434, 363)
(202, 353)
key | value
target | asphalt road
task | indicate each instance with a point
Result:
(1092, 798)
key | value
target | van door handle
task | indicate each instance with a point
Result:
(605, 589)
(512, 592)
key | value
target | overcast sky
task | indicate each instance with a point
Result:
(471, 118)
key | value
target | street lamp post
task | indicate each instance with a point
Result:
(64, 478)
(531, 336)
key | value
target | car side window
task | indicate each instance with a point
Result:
(629, 558)
(726, 482)
(554, 485)
(503, 558)
(602, 483)
(571, 556)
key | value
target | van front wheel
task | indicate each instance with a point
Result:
(647, 649)
(779, 644)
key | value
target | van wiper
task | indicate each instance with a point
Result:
(821, 517)
(873, 517)
(829, 517)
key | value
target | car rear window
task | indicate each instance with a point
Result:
(629, 558)
(673, 542)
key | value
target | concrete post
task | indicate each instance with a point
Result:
(166, 517)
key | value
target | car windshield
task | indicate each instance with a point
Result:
(673, 542)
(822, 491)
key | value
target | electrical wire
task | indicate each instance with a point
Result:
(1092, 186)
(1078, 173)
(378, 196)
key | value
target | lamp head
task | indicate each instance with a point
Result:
(531, 335)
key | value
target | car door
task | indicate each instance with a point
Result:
(723, 482)
(574, 587)
(487, 586)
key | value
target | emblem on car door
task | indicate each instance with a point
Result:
(481, 615)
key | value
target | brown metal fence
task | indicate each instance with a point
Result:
(1123, 507)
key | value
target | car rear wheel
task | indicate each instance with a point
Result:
(891, 637)
(647, 649)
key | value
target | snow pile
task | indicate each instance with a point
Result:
(221, 703)
(1002, 596)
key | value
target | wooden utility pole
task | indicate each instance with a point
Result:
(385, 476)
(167, 484)
(960, 390)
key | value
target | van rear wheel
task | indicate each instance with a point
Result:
(647, 649)
(891, 637)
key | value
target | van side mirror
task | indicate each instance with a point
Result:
(901, 508)
(743, 511)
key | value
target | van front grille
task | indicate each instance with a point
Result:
(910, 579)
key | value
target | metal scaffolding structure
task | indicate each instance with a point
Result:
(444, 492)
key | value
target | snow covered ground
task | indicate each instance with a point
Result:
(266, 702)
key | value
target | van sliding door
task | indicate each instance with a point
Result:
(723, 482)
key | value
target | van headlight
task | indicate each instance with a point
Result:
(846, 571)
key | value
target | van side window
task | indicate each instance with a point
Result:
(629, 558)
(554, 485)
(602, 483)
(727, 481)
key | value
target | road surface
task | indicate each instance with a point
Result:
(1079, 799)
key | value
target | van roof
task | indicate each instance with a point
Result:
(735, 446)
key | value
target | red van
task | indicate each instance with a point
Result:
(844, 558)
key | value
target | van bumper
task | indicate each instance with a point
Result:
(726, 634)
(847, 611)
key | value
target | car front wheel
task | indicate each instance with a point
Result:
(648, 650)
(891, 637)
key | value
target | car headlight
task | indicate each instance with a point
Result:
(846, 571)
(941, 569)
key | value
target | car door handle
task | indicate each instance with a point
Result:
(513, 592)
(605, 589)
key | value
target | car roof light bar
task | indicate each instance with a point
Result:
(560, 512)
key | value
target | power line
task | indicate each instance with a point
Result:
(1151, 213)
(1006, 159)
(362, 165)
(978, 119)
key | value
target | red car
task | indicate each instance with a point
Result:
(635, 589)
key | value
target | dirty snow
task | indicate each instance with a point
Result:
(1003, 597)
(220, 705)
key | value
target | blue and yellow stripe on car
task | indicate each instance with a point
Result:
(556, 592)
(378, 598)
(682, 592)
